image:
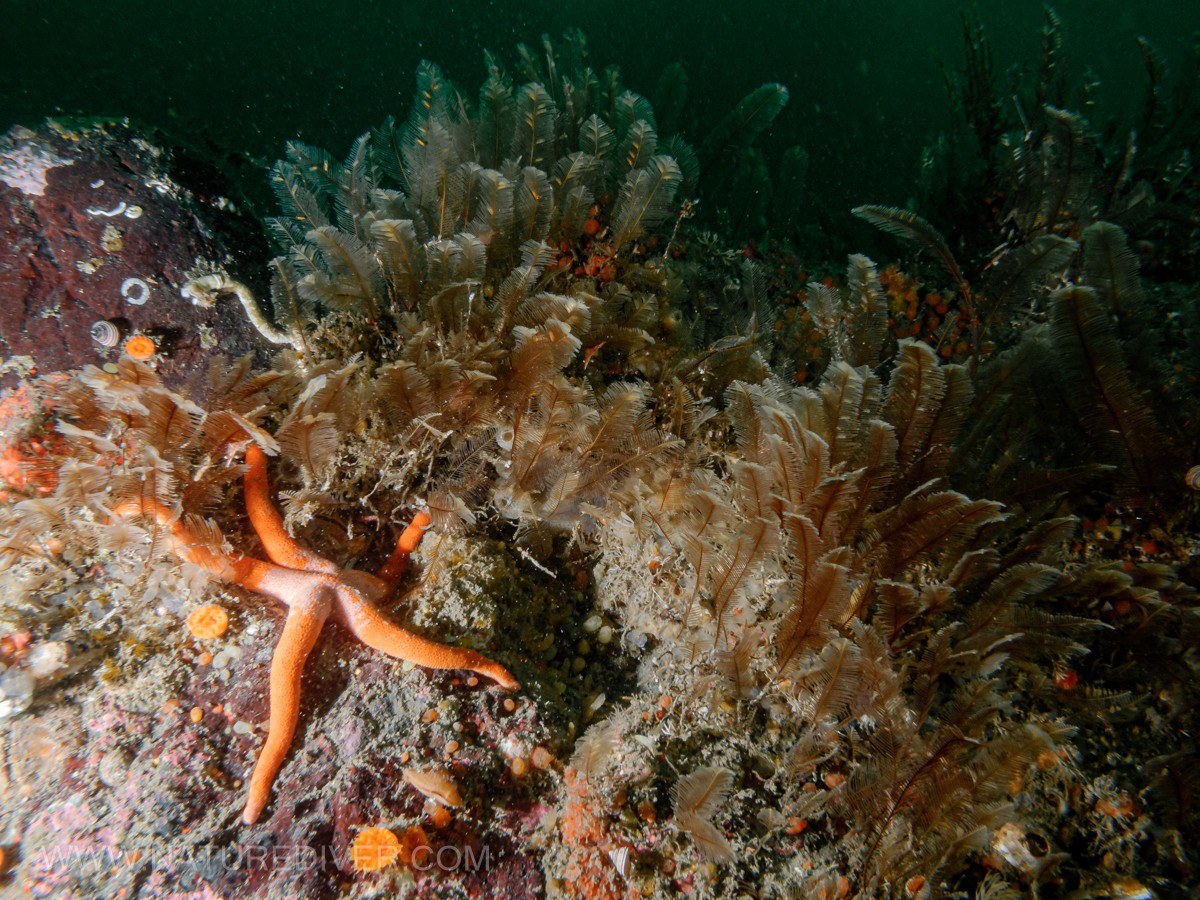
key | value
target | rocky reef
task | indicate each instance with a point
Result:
(872, 584)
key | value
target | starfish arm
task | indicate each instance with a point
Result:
(189, 546)
(187, 543)
(300, 632)
(280, 546)
(309, 585)
(393, 570)
(280, 583)
(370, 627)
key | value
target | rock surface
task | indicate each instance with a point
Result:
(95, 227)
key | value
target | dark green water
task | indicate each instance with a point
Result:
(866, 85)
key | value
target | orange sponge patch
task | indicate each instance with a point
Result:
(374, 849)
(208, 621)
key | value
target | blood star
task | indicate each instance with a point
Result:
(312, 588)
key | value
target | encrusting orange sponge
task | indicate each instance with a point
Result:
(208, 621)
(374, 849)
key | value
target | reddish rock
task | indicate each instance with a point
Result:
(94, 226)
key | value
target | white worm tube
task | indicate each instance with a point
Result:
(203, 291)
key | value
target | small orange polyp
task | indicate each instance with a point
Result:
(374, 849)
(208, 621)
(140, 347)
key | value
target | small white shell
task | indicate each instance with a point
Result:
(620, 860)
(1192, 478)
(105, 333)
(133, 212)
(135, 291)
(504, 437)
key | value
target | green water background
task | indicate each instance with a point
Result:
(865, 77)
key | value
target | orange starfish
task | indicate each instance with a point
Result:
(312, 588)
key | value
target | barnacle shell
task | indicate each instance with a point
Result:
(620, 860)
(105, 333)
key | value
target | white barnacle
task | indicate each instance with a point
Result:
(620, 860)
(135, 290)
